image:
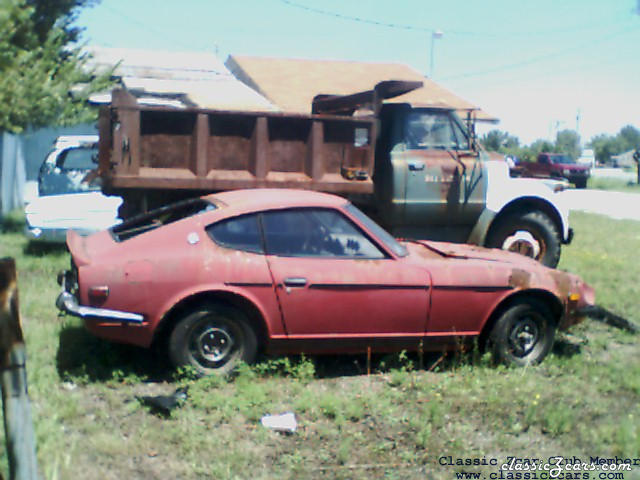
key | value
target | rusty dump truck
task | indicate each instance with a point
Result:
(417, 171)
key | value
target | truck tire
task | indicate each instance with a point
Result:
(523, 334)
(213, 339)
(582, 183)
(530, 233)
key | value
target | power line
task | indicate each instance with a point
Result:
(540, 58)
(162, 34)
(615, 60)
(368, 21)
(419, 28)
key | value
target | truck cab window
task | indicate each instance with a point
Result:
(434, 130)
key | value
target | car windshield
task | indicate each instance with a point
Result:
(159, 217)
(382, 235)
(562, 159)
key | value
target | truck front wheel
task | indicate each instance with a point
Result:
(530, 233)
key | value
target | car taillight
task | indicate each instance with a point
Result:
(98, 294)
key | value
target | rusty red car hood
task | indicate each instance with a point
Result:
(502, 268)
(463, 251)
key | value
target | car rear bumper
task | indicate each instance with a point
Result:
(68, 303)
(51, 235)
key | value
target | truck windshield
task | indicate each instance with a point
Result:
(428, 129)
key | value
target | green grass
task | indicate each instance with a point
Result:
(613, 184)
(583, 400)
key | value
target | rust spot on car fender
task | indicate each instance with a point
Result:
(520, 278)
(563, 283)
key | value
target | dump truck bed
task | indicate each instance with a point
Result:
(145, 148)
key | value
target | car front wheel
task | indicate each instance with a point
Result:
(213, 339)
(523, 334)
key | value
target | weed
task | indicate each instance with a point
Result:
(330, 405)
(301, 368)
(584, 398)
(613, 184)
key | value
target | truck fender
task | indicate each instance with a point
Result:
(506, 195)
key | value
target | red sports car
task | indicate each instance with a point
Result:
(219, 278)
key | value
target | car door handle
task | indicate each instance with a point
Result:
(416, 166)
(295, 282)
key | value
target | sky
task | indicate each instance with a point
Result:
(538, 65)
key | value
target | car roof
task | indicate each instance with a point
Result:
(273, 198)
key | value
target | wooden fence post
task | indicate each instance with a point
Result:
(18, 425)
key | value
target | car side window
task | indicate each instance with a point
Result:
(239, 233)
(315, 232)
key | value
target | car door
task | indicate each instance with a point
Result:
(333, 280)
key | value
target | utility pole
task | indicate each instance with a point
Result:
(18, 426)
(434, 36)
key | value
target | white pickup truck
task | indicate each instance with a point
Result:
(67, 200)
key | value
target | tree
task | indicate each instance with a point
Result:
(40, 65)
(499, 141)
(605, 146)
(630, 138)
(539, 146)
(568, 142)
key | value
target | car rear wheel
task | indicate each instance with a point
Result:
(213, 339)
(523, 335)
(532, 234)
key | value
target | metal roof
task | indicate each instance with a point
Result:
(179, 79)
(292, 84)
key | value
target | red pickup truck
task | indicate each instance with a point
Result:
(557, 165)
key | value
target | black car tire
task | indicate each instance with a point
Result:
(213, 339)
(535, 223)
(523, 334)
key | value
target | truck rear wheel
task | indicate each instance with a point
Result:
(532, 234)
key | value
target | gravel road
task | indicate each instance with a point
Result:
(613, 204)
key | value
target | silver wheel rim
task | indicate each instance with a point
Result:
(524, 337)
(212, 344)
(524, 243)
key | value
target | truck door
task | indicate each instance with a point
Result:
(445, 185)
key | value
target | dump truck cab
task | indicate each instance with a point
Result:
(428, 167)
